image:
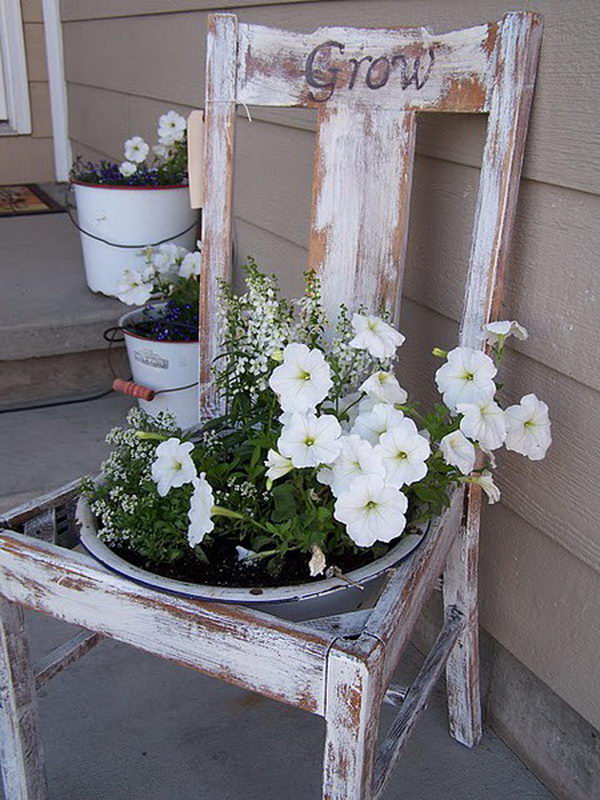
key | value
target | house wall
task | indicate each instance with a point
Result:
(29, 157)
(128, 60)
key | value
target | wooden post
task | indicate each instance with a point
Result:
(354, 693)
(20, 746)
(517, 55)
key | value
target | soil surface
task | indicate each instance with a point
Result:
(225, 569)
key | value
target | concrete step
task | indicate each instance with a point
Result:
(51, 324)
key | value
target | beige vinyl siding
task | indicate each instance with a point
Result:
(540, 578)
(30, 158)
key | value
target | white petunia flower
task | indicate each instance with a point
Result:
(134, 287)
(165, 257)
(201, 504)
(173, 465)
(498, 331)
(384, 388)
(136, 149)
(309, 440)
(278, 465)
(317, 563)
(483, 422)
(371, 511)
(171, 128)
(303, 380)
(372, 424)
(528, 428)
(161, 151)
(404, 452)
(190, 265)
(376, 336)
(127, 169)
(458, 451)
(244, 555)
(486, 481)
(357, 457)
(466, 377)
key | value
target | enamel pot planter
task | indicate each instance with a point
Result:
(303, 601)
(116, 222)
(169, 369)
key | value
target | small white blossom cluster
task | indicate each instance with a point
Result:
(171, 129)
(163, 266)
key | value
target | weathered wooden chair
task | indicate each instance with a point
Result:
(367, 86)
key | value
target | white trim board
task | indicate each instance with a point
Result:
(57, 88)
(14, 64)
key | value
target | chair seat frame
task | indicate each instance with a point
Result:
(342, 667)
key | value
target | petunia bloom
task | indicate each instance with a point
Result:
(127, 169)
(458, 451)
(171, 128)
(404, 452)
(497, 332)
(173, 465)
(190, 265)
(134, 287)
(376, 336)
(486, 481)
(303, 380)
(528, 428)
(357, 457)
(317, 563)
(384, 388)
(466, 377)
(278, 465)
(136, 149)
(372, 424)
(483, 422)
(199, 515)
(309, 441)
(371, 511)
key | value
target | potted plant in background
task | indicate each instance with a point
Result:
(142, 201)
(319, 474)
(162, 337)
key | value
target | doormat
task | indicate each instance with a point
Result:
(26, 198)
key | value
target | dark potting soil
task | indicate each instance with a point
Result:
(225, 569)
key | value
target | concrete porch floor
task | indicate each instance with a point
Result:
(123, 725)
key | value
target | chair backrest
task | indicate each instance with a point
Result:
(367, 85)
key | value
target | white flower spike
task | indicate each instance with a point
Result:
(371, 511)
(373, 424)
(383, 387)
(199, 515)
(497, 332)
(483, 422)
(458, 451)
(376, 336)
(136, 149)
(309, 441)
(466, 377)
(173, 465)
(134, 288)
(303, 380)
(278, 466)
(404, 452)
(528, 428)
(357, 457)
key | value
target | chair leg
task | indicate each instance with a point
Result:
(20, 746)
(354, 695)
(460, 590)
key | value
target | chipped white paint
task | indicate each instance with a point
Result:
(361, 199)
(404, 68)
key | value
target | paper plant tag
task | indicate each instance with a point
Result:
(195, 145)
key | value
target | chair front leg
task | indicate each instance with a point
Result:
(354, 695)
(20, 746)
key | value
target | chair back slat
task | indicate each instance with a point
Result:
(401, 69)
(361, 195)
